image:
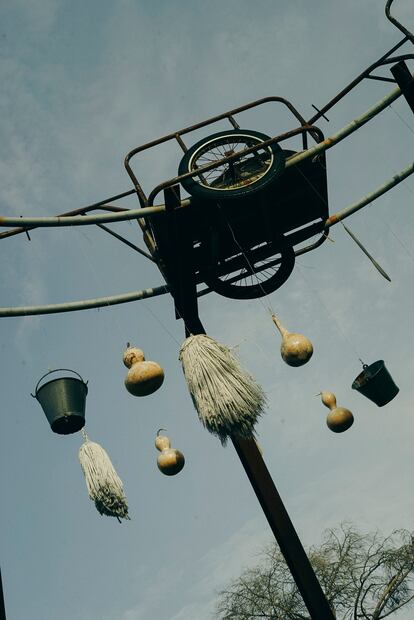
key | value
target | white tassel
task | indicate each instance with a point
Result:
(228, 400)
(103, 483)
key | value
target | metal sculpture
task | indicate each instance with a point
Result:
(252, 208)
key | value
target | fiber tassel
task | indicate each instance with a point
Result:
(227, 399)
(103, 483)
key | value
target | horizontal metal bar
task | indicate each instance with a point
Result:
(380, 79)
(86, 304)
(81, 211)
(84, 220)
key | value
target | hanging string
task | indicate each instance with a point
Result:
(96, 278)
(253, 273)
(402, 119)
(115, 315)
(393, 233)
(164, 327)
(330, 315)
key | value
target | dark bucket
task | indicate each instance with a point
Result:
(63, 401)
(376, 383)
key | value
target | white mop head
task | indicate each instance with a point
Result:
(228, 400)
(103, 483)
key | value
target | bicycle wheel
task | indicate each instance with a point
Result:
(246, 174)
(253, 272)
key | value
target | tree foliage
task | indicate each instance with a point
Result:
(364, 577)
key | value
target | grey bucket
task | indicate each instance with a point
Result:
(63, 402)
(376, 383)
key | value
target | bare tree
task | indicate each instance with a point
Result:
(364, 576)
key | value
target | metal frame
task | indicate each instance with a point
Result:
(184, 284)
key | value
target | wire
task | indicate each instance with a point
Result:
(329, 314)
(401, 119)
(267, 310)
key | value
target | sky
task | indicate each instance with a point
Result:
(83, 84)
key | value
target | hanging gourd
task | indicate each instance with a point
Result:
(143, 377)
(339, 419)
(171, 461)
(295, 349)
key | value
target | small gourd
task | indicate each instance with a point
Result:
(171, 461)
(295, 349)
(143, 377)
(339, 419)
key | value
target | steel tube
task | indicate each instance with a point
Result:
(82, 220)
(283, 529)
(85, 304)
(345, 131)
(356, 206)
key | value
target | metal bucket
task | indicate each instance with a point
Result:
(63, 402)
(376, 383)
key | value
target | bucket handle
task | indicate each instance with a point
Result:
(56, 370)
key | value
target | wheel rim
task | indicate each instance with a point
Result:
(254, 272)
(239, 173)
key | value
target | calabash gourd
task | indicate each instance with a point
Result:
(339, 419)
(295, 349)
(143, 377)
(171, 461)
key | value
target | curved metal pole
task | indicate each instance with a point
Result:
(85, 304)
(83, 220)
(397, 23)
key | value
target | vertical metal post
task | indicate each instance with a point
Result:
(283, 530)
(2, 606)
(405, 81)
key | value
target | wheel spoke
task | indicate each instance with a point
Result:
(245, 170)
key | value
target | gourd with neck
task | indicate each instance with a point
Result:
(295, 349)
(339, 419)
(171, 461)
(143, 377)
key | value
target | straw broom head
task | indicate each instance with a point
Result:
(104, 486)
(227, 399)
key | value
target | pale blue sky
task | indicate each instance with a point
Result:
(81, 86)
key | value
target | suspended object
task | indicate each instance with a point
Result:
(63, 401)
(295, 349)
(339, 419)
(143, 377)
(171, 461)
(376, 383)
(227, 399)
(365, 251)
(104, 486)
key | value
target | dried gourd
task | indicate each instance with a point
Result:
(143, 377)
(171, 461)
